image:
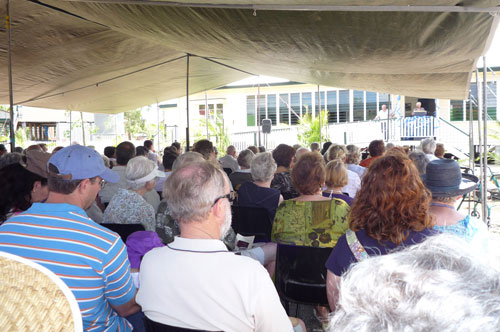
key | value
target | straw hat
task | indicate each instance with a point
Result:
(32, 298)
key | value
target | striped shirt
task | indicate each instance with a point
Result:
(89, 258)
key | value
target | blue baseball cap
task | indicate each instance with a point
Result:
(77, 162)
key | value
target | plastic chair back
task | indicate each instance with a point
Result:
(301, 274)
(250, 221)
(124, 230)
(227, 170)
(152, 326)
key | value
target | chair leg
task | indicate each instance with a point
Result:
(286, 305)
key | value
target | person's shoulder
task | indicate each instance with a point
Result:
(247, 185)
(286, 206)
(155, 254)
(70, 218)
(242, 265)
(274, 191)
(340, 203)
(361, 168)
(475, 224)
(119, 169)
(340, 257)
(282, 175)
(123, 192)
(415, 237)
(352, 174)
(367, 240)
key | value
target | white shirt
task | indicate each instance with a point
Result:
(431, 157)
(382, 115)
(248, 170)
(353, 184)
(153, 157)
(161, 181)
(229, 162)
(198, 284)
(360, 170)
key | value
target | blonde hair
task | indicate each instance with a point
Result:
(336, 151)
(336, 174)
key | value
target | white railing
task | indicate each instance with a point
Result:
(416, 127)
(363, 132)
(286, 135)
(360, 133)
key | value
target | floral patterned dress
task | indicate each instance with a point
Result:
(312, 224)
(128, 207)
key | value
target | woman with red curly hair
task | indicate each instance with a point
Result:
(390, 211)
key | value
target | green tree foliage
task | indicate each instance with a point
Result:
(216, 131)
(22, 137)
(309, 128)
(134, 123)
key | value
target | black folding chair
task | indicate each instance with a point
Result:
(124, 230)
(250, 221)
(152, 326)
(227, 170)
(301, 274)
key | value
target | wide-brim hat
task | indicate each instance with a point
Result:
(36, 162)
(443, 178)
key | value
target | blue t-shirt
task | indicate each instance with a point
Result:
(470, 229)
(89, 258)
(251, 195)
(341, 257)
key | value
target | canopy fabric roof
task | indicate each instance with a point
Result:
(112, 56)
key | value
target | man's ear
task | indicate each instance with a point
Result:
(82, 187)
(219, 208)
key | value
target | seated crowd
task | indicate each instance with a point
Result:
(381, 217)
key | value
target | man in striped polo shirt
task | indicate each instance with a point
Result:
(57, 234)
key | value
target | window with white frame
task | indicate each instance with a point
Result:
(287, 108)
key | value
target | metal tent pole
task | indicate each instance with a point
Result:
(389, 117)
(187, 102)
(471, 142)
(116, 131)
(70, 128)
(206, 113)
(83, 129)
(11, 93)
(471, 133)
(158, 126)
(319, 110)
(258, 113)
(479, 139)
(485, 142)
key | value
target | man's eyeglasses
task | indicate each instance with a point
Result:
(102, 182)
(228, 196)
